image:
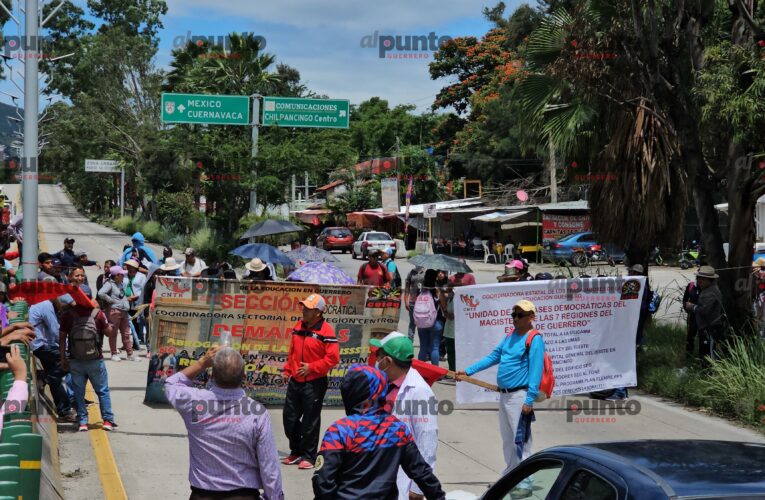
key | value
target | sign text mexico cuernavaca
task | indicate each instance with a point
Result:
(206, 109)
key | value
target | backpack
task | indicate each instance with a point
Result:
(425, 312)
(547, 383)
(84, 338)
(396, 276)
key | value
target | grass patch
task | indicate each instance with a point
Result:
(733, 386)
(152, 231)
(125, 224)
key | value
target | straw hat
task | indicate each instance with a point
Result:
(170, 265)
(255, 265)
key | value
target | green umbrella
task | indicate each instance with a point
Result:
(441, 262)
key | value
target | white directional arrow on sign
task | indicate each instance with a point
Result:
(181, 108)
(342, 114)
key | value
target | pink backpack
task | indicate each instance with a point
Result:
(425, 312)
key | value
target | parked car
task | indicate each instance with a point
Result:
(563, 249)
(638, 470)
(335, 238)
(372, 240)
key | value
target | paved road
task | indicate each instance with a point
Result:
(151, 448)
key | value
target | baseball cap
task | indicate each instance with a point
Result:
(189, 251)
(396, 345)
(115, 270)
(56, 262)
(66, 299)
(526, 305)
(637, 268)
(68, 240)
(314, 301)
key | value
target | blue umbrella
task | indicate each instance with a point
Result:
(310, 254)
(264, 252)
(321, 273)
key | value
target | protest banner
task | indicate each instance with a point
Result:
(588, 325)
(191, 315)
(558, 226)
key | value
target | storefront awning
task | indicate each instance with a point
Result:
(500, 216)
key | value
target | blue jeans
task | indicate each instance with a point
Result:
(430, 339)
(95, 371)
(412, 326)
(54, 377)
(136, 344)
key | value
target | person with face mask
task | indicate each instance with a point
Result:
(313, 352)
(362, 452)
(411, 400)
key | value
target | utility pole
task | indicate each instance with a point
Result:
(29, 179)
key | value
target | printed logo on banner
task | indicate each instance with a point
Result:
(470, 302)
(631, 290)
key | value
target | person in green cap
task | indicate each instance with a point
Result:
(411, 400)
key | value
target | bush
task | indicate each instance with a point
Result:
(125, 225)
(152, 231)
(733, 386)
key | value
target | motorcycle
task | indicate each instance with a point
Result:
(690, 257)
(655, 256)
(583, 257)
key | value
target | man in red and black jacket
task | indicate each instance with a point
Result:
(361, 453)
(313, 352)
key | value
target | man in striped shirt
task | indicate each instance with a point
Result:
(232, 450)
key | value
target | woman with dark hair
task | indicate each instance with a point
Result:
(430, 338)
(105, 275)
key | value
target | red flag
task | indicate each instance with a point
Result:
(39, 291)
(430, 372)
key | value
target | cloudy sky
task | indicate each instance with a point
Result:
(322, 39)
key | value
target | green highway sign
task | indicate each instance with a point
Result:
(298, 112)
(206, 109)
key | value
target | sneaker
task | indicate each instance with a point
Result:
(83, 428)
(291, 460)
(305, 464)
(109, 426)
(116, 357)
(89, 402)
(133, 357)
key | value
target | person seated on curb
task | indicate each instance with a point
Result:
(232, 450)
(361, 453)
(409, 398)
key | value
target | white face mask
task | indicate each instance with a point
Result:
(377, 365)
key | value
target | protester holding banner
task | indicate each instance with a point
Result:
(518, 378)
(313, 352)
(708, 313)
(409, 399)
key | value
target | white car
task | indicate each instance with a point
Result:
(372, 240)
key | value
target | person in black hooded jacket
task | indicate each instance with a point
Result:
(360, 454)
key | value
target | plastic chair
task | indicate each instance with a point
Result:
(487, 254)
(10, 488)
(9, 460)
(509, 249)
(10, 473)
(476, 244)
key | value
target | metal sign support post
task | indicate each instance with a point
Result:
(122, 192)
(255, 134)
